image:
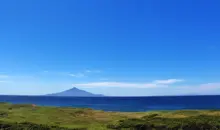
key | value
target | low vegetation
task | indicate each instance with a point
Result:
(25, 117)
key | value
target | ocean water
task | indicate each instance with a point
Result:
(125, 104)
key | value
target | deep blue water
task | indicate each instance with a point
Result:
(121, 103)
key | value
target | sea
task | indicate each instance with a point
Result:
(122, 104)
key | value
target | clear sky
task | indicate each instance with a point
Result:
(111, 47)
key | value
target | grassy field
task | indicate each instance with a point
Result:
(25, 117)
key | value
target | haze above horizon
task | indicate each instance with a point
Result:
(115, 48)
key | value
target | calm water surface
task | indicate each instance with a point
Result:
(125, 104)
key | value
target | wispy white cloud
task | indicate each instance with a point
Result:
(92, 71)
(88, 71)
(52, 73)
(114, 84)
(3, 81)
(204, 88)
(156, 83)
(168, 81)
(83, 74)
(78, 75)
(4, 76)
(208, 86)
(201, 87)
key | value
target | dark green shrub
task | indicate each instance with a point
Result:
(200, 122)
(32, 126)
(3, 114)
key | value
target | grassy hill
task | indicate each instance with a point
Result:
(27, 117)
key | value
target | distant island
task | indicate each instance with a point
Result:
(75, 92)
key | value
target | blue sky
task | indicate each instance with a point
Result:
(112, 47)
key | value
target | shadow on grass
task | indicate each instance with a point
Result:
(152, 122)
(32, 126)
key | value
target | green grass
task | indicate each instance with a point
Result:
(25, 117)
